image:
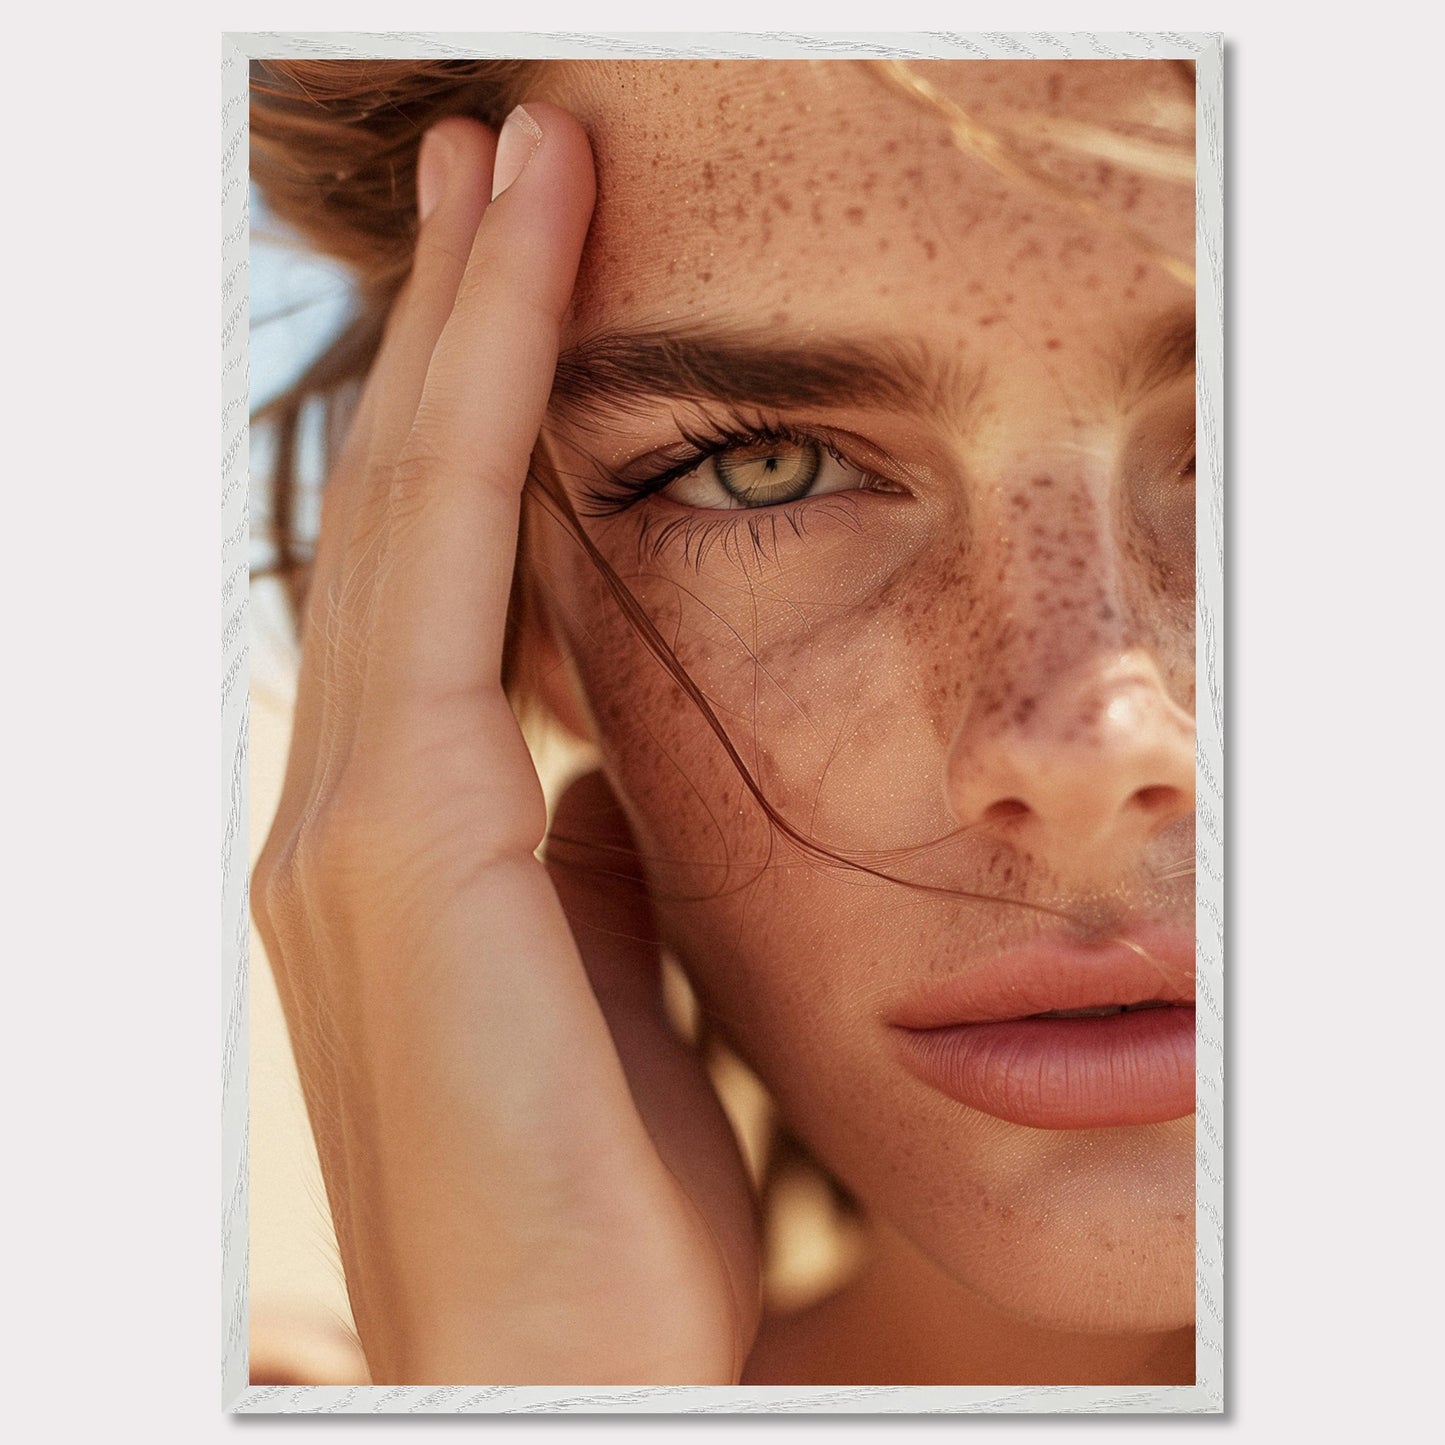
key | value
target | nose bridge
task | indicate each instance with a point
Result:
(1050, 581)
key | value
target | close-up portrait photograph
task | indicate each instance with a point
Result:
(731, 723)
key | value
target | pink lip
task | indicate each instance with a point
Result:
(974, 1038)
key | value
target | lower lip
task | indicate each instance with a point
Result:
(1081, 1073)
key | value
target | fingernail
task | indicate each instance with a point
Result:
(521, 135)
(432, 165)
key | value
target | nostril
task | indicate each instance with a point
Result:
(1156, 798)
(1005, 809)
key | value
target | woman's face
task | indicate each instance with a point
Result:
(940, 595)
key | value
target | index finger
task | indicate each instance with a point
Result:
(384, 416)
(456, 494)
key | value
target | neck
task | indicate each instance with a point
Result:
(901, 1321)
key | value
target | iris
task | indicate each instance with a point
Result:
(766, 473)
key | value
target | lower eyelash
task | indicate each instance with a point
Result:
(697, 536)
(758, 530)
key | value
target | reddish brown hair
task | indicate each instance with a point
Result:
(333, 149)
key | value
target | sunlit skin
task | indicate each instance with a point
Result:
(975, 671)
(859, 541)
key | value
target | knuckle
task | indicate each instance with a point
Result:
(414, 472)
(437, 255)
(335, 842)
(315, 866)
(275, 895)
(492, 295)
(477, 289)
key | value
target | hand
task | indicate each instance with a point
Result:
(530, 1177)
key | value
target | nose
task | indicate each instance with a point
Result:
(1090, 766)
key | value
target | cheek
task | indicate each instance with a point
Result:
(833, 678)
(839, 673)
(837, 689)
(688, 804)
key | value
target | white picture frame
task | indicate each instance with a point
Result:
(1207, 1394)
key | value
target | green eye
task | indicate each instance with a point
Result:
(763, 474)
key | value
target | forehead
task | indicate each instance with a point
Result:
(815, 195)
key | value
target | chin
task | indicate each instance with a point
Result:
(1081, 1231)
(1068, 1292)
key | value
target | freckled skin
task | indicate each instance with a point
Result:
(872, 671)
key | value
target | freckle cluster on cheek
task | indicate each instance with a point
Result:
(1024, 597)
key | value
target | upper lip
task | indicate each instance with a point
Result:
(1056, 973)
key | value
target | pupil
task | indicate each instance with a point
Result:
(769, 472)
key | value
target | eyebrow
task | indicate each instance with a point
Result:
(745, 366)
(1162, 353)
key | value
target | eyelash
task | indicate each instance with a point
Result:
(635, 482)
(698, 530)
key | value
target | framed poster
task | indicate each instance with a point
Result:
(765, 468)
